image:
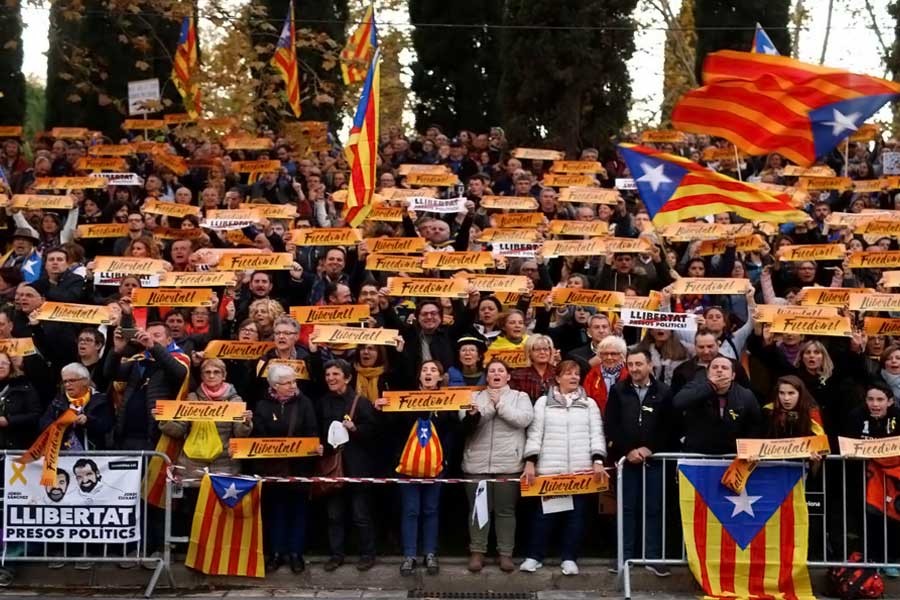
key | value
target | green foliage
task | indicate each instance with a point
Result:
(12, 82)
(892, 60)
(35, 107)
(457, 71)
(566, 88)
(729, 24)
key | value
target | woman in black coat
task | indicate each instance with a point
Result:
(95, 416)
(285, 412)
(343, 407)
(20, 407)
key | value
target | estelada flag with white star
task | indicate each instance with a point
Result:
(748, 545)
(673, 189)
(226, 534)
(766, 103)
(761, 42)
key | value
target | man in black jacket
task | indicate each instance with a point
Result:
(637, 425)
(717, 411)
(61, 284)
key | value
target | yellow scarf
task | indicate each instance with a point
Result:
(367, 382)
(80, 402)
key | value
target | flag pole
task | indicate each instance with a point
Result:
(846, 155)
(737, 163)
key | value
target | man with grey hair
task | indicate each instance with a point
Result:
(94, 414)
(286, 335)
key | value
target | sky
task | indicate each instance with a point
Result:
(851, 44)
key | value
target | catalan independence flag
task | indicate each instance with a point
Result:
(357, 54)
(750, 545)
(184, 68)
(285, 60)
(226, 534)
(761, 42)
(674, 189)
(423, 455)
(764, 103)
(362, 148)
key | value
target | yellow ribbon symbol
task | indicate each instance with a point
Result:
(18, 473)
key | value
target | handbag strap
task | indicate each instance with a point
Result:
(353, 406)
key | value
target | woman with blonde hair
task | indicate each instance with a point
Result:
(143, 247)
(537, 377)
(264, 312)
(512, 331)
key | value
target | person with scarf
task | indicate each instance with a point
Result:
(536, 378)
(285, 412)
(890, 369)
(512, 332)
(286, 334)
(469, 369)
(94, 416)
(566, 436)
(610, 371)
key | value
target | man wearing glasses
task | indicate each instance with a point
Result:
(95, 417)
(286, 335)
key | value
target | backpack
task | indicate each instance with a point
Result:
(849, 583)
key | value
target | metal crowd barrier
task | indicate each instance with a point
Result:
(137, 553)
(840, 522)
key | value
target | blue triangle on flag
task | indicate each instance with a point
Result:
(743, 515)
(656, 179)
(231, 490)
(32, 267)
(833, 122)
(423, 427)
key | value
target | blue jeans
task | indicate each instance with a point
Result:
(634, 495)
(571, 529)
(419, 500)
(284, 517)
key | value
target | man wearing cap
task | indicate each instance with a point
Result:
(23, 243)
(459, 162)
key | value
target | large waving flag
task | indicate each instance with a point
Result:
(357, 54)
(764, 103)
(748, 545)
(761, 42)
(673, 189)
(362, 148)
(184, 67)
(226, 534)
(285, 60)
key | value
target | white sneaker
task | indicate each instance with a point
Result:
(569, 567)
(529, 565)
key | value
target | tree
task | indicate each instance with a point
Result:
(320, 31)
(12, 82)
(729, 24)
(35, 107)
(457, 70)
(680, 51)
(892, 60)
(563, 84)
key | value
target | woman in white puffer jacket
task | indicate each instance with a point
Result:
(566, 436)
(495, 448)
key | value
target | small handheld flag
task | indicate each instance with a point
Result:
(226, 534)
(673, 189)
(285, 60)
(762, 44)
(32, 267)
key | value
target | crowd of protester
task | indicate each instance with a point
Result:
(594, 390)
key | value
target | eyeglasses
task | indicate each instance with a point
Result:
(253, 329)
(212, 372)
(609, 353)
(71, 381)
(277, 333)
(541, 349)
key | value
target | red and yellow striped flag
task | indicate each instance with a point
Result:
(362, 148)
(423, 455)
(184, 68)
(357, 54)
(226, 533)
(285, 60)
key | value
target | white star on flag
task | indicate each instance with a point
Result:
(742, 503)
(842, 122)
(230, 492)
(423, 434)
(767, 49)
(655, 176)
(29, 266)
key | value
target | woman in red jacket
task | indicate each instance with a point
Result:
(611, 369)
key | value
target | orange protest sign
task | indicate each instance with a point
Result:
(458, 260)
(519, 220)
(538, 154)
(830, 326)
(103, 230)
(742, 244)
(256, 166)
(881, 326)
(271, 211)
(386, 245)
(589, 195)
(325, 237)
(783, 448)
(18, 346)
(567, 179)
(538, 297)
(880, 227)
(817, 296)
(596, 298)
(589, 247)
(513, 359)
(867, 259)
(429, 179)
(178, 118)
(35, 201)
(662, 136)
(277, 261)
(174, 163)
(389, 214)
(581, 228)
(428, 400)
(215, 412)
(247, 143)
(68, 133)
(563, 485)
(406, 169)
(138, 124)
(865, 132)
(577, 166)
(497, 283)
(812, 184)
(127, 265)
(815, 171)
(111, 150)
(875, 302)
(11, 131)
(172, 297)
(710, 285)
(336, 334)
(70, 183)
(514, 236)
(88, 163)
(283, 447)
(736, 475)
(766, 313)
(890, 279)
(237, 350)
(509, 203)
(648, 302)
(330, 314)
(888, 447)
(170, 209)
(66, 312)
(198, 279)
(812, 252)
(396, 263)
(412, 287)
